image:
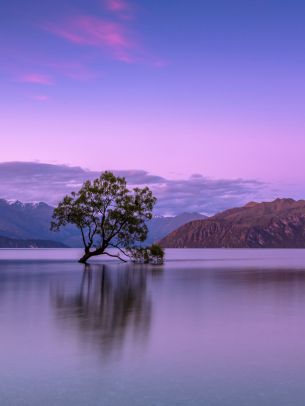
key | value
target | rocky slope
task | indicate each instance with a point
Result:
(277, 224)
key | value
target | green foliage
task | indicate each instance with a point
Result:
(107, 214)
(153, 254)
(139, 255)
(157, 251)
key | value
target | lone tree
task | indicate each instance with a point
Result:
(107, 214)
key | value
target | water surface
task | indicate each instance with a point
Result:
(210, 327)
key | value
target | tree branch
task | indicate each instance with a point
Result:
(83, 237)
(115, 233)
(120, 249)
(92, 233)
(115, 256)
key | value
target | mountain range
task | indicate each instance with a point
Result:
(277, 224)
(6, 242)
(31, 221)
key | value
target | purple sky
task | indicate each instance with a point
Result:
(174, 88)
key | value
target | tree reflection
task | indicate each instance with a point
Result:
(110, 306)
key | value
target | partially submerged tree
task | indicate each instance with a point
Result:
(107, 214)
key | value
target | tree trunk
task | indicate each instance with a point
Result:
(84, 258)
(88, 254)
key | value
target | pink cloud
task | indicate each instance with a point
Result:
(117, 5)
(96, 32)
(120, 7)
(36, 78)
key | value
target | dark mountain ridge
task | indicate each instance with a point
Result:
(6, 242)
(277, 224)
(32, 221)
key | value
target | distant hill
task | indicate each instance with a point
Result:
(32, 221)
(159, 227)
(277, 224)
(6, 242)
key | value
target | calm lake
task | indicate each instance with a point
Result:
(210, 327)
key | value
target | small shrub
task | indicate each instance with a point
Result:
(145, 255)
(156, 254)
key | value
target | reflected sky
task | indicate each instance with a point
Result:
(181, 334)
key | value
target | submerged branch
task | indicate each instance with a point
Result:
(115, 256)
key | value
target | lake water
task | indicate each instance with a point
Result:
(210, 327)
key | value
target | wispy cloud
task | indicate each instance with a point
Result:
(33, 181)
(121, 8)
(96, 32)
(117, 5)
(110, 32)
(36, 78)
